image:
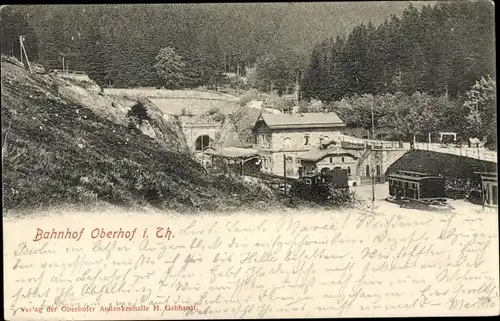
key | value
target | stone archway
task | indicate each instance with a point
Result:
(202, 142)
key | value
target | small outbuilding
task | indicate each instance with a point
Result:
(321, 160)
(238, 159)
(489, 188)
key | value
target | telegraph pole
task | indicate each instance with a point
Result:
(478, 122)
(284, 170)
(21, 48)
(23, 51)
(373, 122)
(371, 169)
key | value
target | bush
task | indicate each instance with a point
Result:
(248, 96)
(219, 118)
(214, 110)
(139, 113)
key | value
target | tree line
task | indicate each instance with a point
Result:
(117, 44)
(439, 49)
(432, 63)
(402, 116)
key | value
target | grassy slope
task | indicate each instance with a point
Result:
(58, 152)
(450, 166)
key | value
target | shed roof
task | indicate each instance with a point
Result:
(413, 178)
(234, 152)
(304, 120)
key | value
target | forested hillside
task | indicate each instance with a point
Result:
(441, 49)
(117, 44)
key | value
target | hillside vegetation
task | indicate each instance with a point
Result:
(62, 148)
(209, 37)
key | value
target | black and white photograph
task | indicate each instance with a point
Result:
(249, 160)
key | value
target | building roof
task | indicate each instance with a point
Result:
(316, 154)
(488, 176)
(234, 152)
(304, 120)
(413, 178)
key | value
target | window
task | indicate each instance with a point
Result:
(306, 137)
(367, 170)
(342, 159)
(259, 140)
(307, 181)
(349, 170)
(287, 143)
(331, 160)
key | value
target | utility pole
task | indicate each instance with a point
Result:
(371, 157)
(21, 48)
(482, 193)
(373, 123)
(478, 122)
(23, 51)
(284, 171)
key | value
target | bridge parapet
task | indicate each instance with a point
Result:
(472, 152)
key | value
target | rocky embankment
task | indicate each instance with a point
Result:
(65, 142)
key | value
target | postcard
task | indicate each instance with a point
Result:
(249, 160)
